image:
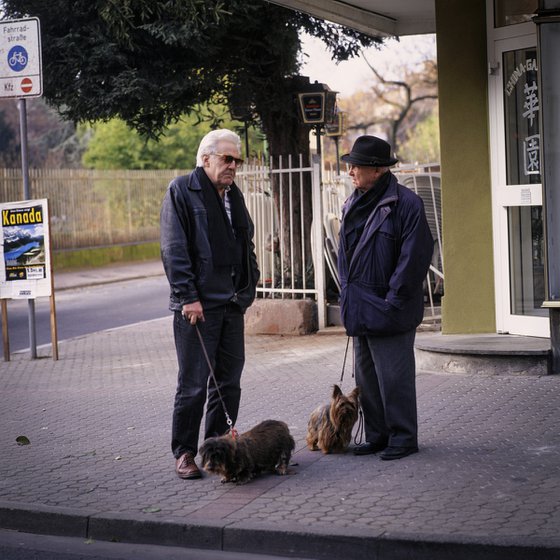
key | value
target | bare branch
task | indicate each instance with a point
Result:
(399, 103)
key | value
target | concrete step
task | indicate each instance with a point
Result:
(489, 354)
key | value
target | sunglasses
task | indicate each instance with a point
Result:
(229, 159)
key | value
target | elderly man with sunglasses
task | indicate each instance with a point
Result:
(209, 259)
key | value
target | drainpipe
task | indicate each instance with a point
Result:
(548, 43)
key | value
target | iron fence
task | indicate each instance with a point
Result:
(92, 208)
(425, 181)
(295, 208)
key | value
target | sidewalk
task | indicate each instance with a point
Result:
(486, 483)
(106, 274)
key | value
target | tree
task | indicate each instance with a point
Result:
(149, 62)
(9, 145)
(422, 142)
(395, 106)
(114, 145)
(51, 140)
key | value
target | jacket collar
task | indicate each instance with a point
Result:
(196, 180)
(390, 195)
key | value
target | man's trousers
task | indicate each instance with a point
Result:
(386, 375)
(223, 336)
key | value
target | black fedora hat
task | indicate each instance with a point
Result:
(371, 151)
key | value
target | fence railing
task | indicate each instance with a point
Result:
(279, 199)
(283, 197)
(92, 208)
(425, 181)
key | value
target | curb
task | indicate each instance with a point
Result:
(43, 520)
(77, 283)
(286, 540)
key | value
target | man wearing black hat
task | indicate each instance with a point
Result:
(385, 252)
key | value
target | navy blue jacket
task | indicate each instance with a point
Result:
(187, 256)
(382, 285)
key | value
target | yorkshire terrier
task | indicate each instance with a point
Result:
(239, 458)
(330, 425)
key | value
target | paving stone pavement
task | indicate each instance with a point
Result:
(486, 482)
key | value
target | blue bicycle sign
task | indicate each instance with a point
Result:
(17, 58)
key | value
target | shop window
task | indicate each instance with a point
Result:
(522, 106)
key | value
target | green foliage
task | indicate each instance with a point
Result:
(114, 145)
(149, 62)
(422, 143)
(102, 256)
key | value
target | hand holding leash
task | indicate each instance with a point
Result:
(193, 312)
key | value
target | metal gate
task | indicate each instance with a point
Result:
(285, 203)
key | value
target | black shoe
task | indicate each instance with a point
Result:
(368, 448)
(391, 453)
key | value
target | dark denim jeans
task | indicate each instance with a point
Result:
(386, 375)
(223, 336)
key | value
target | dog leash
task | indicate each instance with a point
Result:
(359, 434)
(229, 421)
(344, 361)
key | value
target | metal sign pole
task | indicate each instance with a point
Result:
(336, 139)
(22, 107)
(21, 77)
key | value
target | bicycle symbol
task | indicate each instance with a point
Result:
(17, 58)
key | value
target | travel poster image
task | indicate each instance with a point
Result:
(23, 232)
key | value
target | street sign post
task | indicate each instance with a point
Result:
(21, 77)
(20, 58)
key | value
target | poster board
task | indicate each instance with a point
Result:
(25, 267)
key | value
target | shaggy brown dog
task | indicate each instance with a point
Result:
(266, 447)
(330, 425)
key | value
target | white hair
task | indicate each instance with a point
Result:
(209, 144)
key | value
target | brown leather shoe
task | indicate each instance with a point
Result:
(186, 468)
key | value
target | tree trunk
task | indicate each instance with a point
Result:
(288, 139)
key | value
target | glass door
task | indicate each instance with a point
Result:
(516, 184)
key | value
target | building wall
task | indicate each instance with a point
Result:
(468, 305)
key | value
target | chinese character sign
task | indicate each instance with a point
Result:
(521, 104)
(24, 252)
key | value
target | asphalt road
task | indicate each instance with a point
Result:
(85, 310)
(26, 546)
